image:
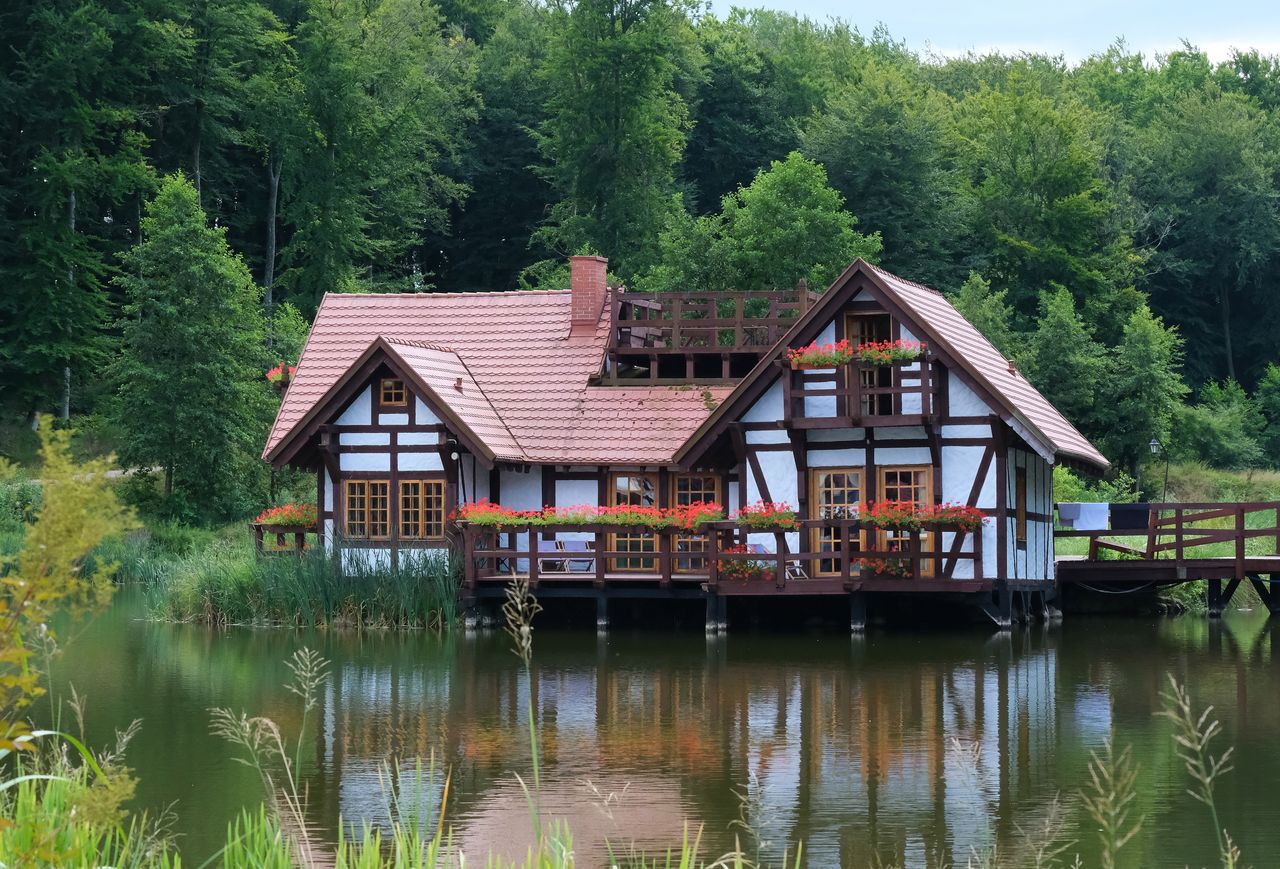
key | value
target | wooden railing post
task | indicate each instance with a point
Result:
(676, 312)
(853, 390)
(665, 565)
(846, 554)
(1239, 541)
(913, 551)
(713, 559)
(469, 556)
(534, 556)
(780, 543)
(602, 547)
(977, 551)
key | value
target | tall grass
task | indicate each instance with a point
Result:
(226, 583)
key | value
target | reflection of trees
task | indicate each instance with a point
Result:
(846, 746)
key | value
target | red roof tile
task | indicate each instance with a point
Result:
(531, 399)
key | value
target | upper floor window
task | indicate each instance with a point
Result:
(393, 393)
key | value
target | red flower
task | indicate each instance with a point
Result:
(888, 352)
(289, 514)
(825, 355)
(766, 514)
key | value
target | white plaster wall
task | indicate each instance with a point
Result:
(393, 419)
(959, 467)
(416, 438)
(819, 435)
(424, 414)
(962, 431)
(768, 407)
(426, 461)
(473, 478)
(355, 559)
(360, 411)
(902, 456)
(772, 436)
(1035, 561)
(371, 438)
(328, 505)
(848, 458)
(963, 400)
(779, 470)
(574, 493)
(731, 499)
(521, 491)
(365, 461)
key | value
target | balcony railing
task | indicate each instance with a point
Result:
(845, 396)
(829, 553)
(699, 336)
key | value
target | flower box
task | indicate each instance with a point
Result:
(820, 356)
(743, 570)
(767, 516)
(281, 376)
(485, 513)
(285, 518)
(888, 352)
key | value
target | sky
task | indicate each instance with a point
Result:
(1072, 28)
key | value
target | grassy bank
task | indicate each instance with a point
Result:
(213, 576)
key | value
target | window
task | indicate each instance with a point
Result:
(693, 489)
(634, 490)
(863, 329)
(368, 509)
(1020, 505)
(422, 509)
(834, 493)
(393, 393)
(907, 484)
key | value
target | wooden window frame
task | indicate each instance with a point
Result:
(817, 535)
(884, 538)
(391, 383)
(1020, 507)
(648, 558)
(689, 542)
(874, 371)
(430, 489)
(367, 496)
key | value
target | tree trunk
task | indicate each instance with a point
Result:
(1226, 333)
(71, 280)
(195, 153)
(168, 480)
(275, 162)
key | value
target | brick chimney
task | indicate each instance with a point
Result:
(588, 279)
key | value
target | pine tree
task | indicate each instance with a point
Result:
(990, 313)
(1064, 361)
(191, 401)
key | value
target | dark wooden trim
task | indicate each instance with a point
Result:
(1002, 502)
(320, 505)
(799, 451)
(379, 429)
(495, 485)
(869, 486)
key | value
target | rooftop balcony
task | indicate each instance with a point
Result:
(857, 395)
(712, 337)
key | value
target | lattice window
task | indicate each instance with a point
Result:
(834, 493)
(907, 484)
(634, 490)
(693, 489)
(422, 509)
(368, 509)
(392, 393)
(864, 329)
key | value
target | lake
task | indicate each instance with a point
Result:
(914, 748)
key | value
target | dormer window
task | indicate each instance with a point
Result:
(393, 393)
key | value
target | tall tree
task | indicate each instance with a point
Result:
(1212, 166)
(1043, 209)
(990, 313)
(1064, 361)
(191, 401)
(787, 225)
(617, 123)
(386, 98)
(71, 158)
(882, 142)
(1142, 389)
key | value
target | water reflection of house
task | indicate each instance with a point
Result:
(878, 755)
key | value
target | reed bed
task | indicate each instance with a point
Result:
(223, 582)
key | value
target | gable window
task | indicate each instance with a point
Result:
(1020, 506)
(834, 493)
(633, 490)
(865, 329)
(915, 486)
(689, 489)
(368, 509)
(392, 393)
(422, 509)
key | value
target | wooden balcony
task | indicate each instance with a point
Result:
(706, 337)
(673, 559)
(848, 396)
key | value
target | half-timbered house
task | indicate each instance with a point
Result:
(406, 406)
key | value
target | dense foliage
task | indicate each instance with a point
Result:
(1112, 224)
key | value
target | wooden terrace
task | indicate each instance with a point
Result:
(1185, 542)
(710, 337)
(623, 561)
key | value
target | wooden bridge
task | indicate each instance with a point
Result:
(1223, 544)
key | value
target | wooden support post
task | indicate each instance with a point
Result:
(1213, 592)
(602, 546)
(713, 613)
(857, 612)
(781, 545)
(602, 611)
(533, 557)
(1239, 542)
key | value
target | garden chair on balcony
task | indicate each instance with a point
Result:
(578, 565)
(546, 564)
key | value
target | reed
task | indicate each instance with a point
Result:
(225, 583)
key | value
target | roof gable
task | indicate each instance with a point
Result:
(956, 341)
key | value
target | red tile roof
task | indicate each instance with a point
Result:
(947, 328)
(531, 399)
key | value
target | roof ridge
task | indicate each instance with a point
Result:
(919, 286)
(456, 293)
(425, 345)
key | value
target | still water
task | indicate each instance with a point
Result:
(914, 748)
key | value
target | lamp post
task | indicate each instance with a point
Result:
(1156, 449)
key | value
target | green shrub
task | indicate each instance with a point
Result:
(1068, 486)
(19, 502)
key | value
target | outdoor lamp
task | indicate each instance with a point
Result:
(1156, 446)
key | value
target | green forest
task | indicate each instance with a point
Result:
(1112, 224)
